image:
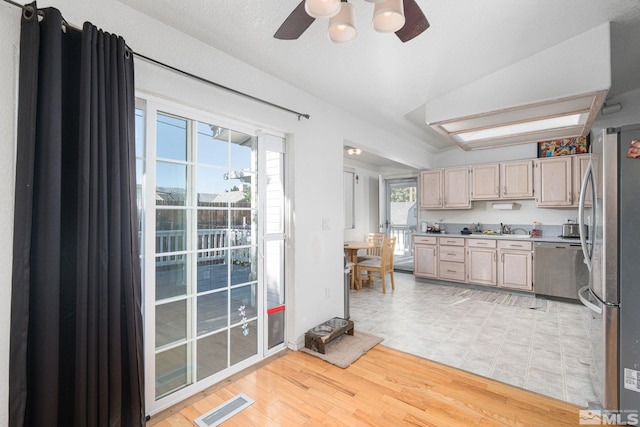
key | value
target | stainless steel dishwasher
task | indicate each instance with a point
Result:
(559, 269)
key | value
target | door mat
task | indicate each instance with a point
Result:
(346, 349)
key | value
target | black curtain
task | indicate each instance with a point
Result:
(76, 322)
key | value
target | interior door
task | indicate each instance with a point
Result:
(401, 200)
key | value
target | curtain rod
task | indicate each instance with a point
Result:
(186, 73)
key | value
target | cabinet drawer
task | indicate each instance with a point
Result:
(482, 243)
(452, 241)
(425, 240)
(452, 253)
(452, 271)
(517, 244)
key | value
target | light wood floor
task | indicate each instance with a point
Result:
(385, 387)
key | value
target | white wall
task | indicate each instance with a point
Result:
(315, 148)
(366, 193)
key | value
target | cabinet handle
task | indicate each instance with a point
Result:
(497, 191)
(502, 257)
(494, 256)
(451, 271)
(481, 243)
(516, 246)
(451, 254)
(504, 190)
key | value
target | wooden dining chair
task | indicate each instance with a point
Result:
(382, 265)
(376, 239)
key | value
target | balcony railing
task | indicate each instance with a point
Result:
(212, 245)
(404, 238)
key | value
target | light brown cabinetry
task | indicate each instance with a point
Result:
(445, 188)
(512, 180)
(554, 182)
(452, 259)
(515, 261)
(482, 261)
(431, 189)
(456, 188)
(485, 182)
(425, 256)
(580, 163)
(516, 180)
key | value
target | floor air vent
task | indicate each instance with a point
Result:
(225, 411)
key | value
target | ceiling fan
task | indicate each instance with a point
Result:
(404, 17)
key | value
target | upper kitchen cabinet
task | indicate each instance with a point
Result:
(456, 188)
(516, 180)
(512, 180)
(554, 182)
(431, 189)
(445, 188)
(485, 182)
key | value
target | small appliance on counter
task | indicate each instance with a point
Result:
(570, 229)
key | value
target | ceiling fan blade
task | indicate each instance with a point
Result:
(295, 24)
(415, 21)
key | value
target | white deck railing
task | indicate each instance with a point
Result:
(211, 245)
(404, 238)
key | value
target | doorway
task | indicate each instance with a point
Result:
(401, 218)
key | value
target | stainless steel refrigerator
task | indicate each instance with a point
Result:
(610, 237)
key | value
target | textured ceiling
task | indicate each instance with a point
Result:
(387, 82)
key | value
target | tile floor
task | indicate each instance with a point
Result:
(546, 349)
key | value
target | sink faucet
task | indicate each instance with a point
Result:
(505, 229)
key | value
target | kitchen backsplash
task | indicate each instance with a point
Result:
(482, 212)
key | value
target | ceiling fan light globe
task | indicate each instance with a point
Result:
(388, 16)
(322, 8)
(342, 27)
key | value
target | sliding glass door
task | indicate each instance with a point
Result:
(204, 239)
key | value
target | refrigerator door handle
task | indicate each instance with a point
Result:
(591, 306)
(588, 176)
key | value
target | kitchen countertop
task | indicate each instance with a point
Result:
(549, 239)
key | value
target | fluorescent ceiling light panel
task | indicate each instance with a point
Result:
(541, 121)
(521, 128)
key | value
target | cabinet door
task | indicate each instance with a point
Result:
(516, 180)
(431, 189)
(425, 261)
(482, 266)
(485, 182)
(580, 164)
(514, 270)
(554, 182)
(456, 188)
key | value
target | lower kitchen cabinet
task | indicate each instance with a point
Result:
(425, 257)
(491, 262)
(452, 259)
(483, 262)
(515, 265)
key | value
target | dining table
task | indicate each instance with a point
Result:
(351, 249)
